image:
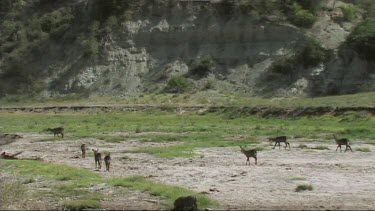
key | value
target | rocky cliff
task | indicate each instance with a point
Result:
(132, 47)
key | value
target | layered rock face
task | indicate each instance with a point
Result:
(150, 43)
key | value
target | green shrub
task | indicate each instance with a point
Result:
(56, 19)
(283, 67)
(311, 5)
(297, 178)
(313, 54)
(363, 39)
(204, 67)
(302, 17)
(90, 47)
(349, 11)
(303, 187)
(177, 84)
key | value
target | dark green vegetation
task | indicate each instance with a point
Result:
(303, 188)
(286, 70)
(188, 131)
(177, 84)
(363, 39)
(76, 188)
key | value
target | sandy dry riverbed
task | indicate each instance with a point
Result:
(339, 180)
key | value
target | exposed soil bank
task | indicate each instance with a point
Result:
(243, 111)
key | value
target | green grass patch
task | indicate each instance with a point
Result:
(320, 147)
(363, 149)
(58, 172)
(162, 138)
(73, 182)
(193, 142)
(297, 178)
(209, 130)
(78, 205)
(169, 192)
(75, 188)
(112, 139)
(303, 188)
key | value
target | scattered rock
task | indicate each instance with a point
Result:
(133, 168)
(152, 201)
(214, 190)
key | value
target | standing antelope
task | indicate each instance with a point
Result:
(98, 158)
(57, 131)
(250, 153)
(83, 149)
(342, 141)
(107, 161)
(278, 140)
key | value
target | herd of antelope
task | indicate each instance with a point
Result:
(97, 154)
(248, 153)
(283, 139)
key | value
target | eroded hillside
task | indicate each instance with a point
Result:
(272, 48)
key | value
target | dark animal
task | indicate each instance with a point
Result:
(185, 203)
(278, 140)
(57, 131)
(83, 149)
(250, 153)
(107, 161)
(98, 158)
(342, 141)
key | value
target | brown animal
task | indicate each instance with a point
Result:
(57, 131)
(186, 203)
(98, 158)
(5, 155)
(107, 161)
(83, 149)
(278, 140)
(342, 141)
(250, 153)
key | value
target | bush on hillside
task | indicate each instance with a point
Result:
(302, 17)
(363, 39)
(204, 67)
(285, 66)
(178, 84)
(349, 12)
(313, 54)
